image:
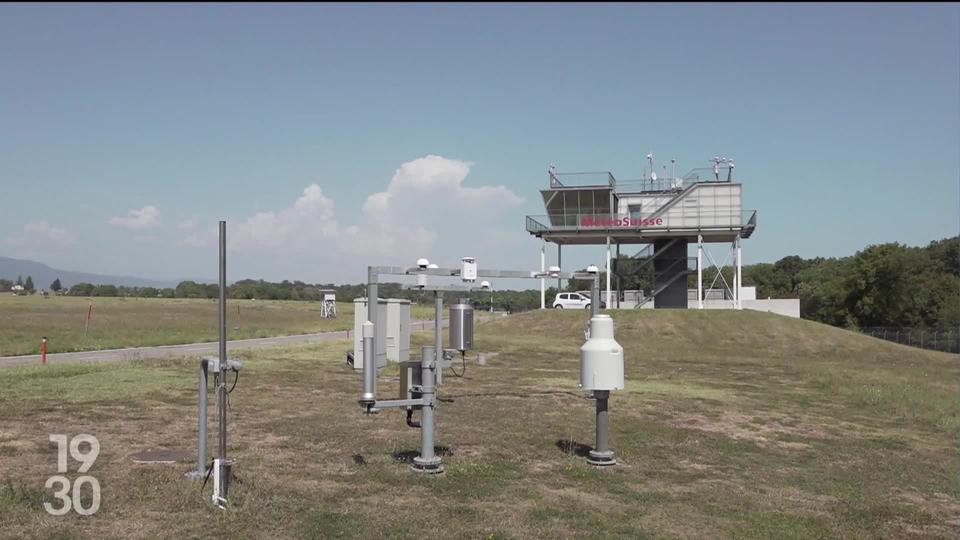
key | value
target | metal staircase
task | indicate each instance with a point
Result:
(642, 273)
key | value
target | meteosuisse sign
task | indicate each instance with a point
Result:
(608, 222)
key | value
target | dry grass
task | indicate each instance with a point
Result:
(733, 425)
(142, 322)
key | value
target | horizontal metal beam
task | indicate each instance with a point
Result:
(483, 272)
(388, 403)
(444, 288)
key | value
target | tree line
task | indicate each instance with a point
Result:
(889, 285)
(27, 285)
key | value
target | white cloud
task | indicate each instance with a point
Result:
(41, 232)
(426, 210)
(310, 218)
(144, 218)
(196, 239)
(187, 223)
(436, 179)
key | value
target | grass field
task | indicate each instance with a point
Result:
(142, 322)
(733, 424)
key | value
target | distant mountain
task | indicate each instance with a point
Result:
(43, 276)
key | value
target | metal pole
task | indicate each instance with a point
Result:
(608, 271)
(369, 396)
(601, 454)
(739, 276)
(619, 279)
(699, 271)
(543, 268)
(595, 296)
(222, 390)
(202, 422)
(559, 263)
(427, 462)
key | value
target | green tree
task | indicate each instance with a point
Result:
(878, 286)
(105, 290)
(191, 289)
(28, 285)
(56, 286)
(20, 280)
(81, 289)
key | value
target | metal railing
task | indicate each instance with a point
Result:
(684, 219)
(581, 179)
(937, 340)
(660, 185)
(599, 178)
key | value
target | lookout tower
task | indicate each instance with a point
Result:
(663, 214)
(328, 303)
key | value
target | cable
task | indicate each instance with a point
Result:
(463, 357)
(234, 381)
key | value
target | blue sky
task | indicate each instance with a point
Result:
(843, 120)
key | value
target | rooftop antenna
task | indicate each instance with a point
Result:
(653, 170)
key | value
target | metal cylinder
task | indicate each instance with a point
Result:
(601, 455)
(595, 296)
(369, 396)
(603, 421)
(461, 326)
(427, 461)
(202, 422)
(369, 368)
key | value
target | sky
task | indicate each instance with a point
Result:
(333, 137)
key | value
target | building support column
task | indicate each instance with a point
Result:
(608, 273)
(699, 271)
(559, 264)
(619, 279)
(543, 282)
(739, 276)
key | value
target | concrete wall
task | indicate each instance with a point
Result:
(789, 307)
(781, 306)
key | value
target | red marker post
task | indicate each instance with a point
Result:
(86, 325)
(43, 350)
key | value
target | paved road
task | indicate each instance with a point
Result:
(192, 349)
(188, 349)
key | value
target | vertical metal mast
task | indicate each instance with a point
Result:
(222, 387)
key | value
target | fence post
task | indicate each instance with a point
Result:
(921, 339)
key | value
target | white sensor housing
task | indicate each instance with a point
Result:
(468, 269)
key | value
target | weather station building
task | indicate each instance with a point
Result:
(664, 215)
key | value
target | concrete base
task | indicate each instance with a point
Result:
(425, 466)
(601, 459)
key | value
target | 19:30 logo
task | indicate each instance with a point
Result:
(71, 497)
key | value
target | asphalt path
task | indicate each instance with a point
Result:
(193, 349)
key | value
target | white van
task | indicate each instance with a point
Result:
(571, 300)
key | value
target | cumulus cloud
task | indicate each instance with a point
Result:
(425, 210)
(440, 180)
(41, 232)
(144, 218)
(310, 217)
